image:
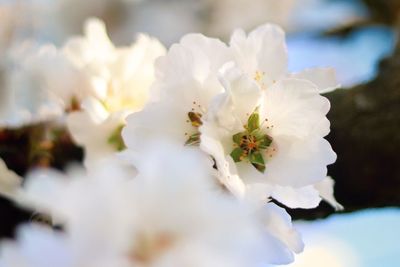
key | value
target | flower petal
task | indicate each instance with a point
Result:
(263, 50)
(325, 189)
(304, 197)
(324, 78)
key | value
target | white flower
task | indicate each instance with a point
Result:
(120, 76)
(120, 79)
(38, 84)
(10, 182)
(275, 139)
(185, 84)
(171, 214)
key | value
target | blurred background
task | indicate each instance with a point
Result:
(356, 37)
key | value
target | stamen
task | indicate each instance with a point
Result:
(195, 119)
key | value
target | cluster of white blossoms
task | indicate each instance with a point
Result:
(185, 150)
(263, 127)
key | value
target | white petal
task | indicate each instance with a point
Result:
(258, 193)
(166, 119)
(37, 246)
(299, 163)
(304, 197)
(96, 34)
(93, 134)
(196, 59)
(325, 189)
(324, 78)
(294, 108)
(37, 86)
(228, 177)
(264, 50)
(244, 93)
(43, 190)
(94, 109)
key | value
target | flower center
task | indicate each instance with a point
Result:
(252, 143)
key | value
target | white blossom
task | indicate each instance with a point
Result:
(186, 82)
(208, 135)
(194, 107)
(37, 84)
(120, 78)
(275, 136)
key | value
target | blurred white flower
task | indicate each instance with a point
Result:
(37, 84)
(97, 131)
(120, 79)
(120, 76)
(170, 214)
(10, 182)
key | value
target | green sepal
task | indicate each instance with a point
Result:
(237, 154)
(265, 141)
(253, 123)
(237, 138)
(257, 160)
(257, 133)
(116, 140)
(193, 140)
